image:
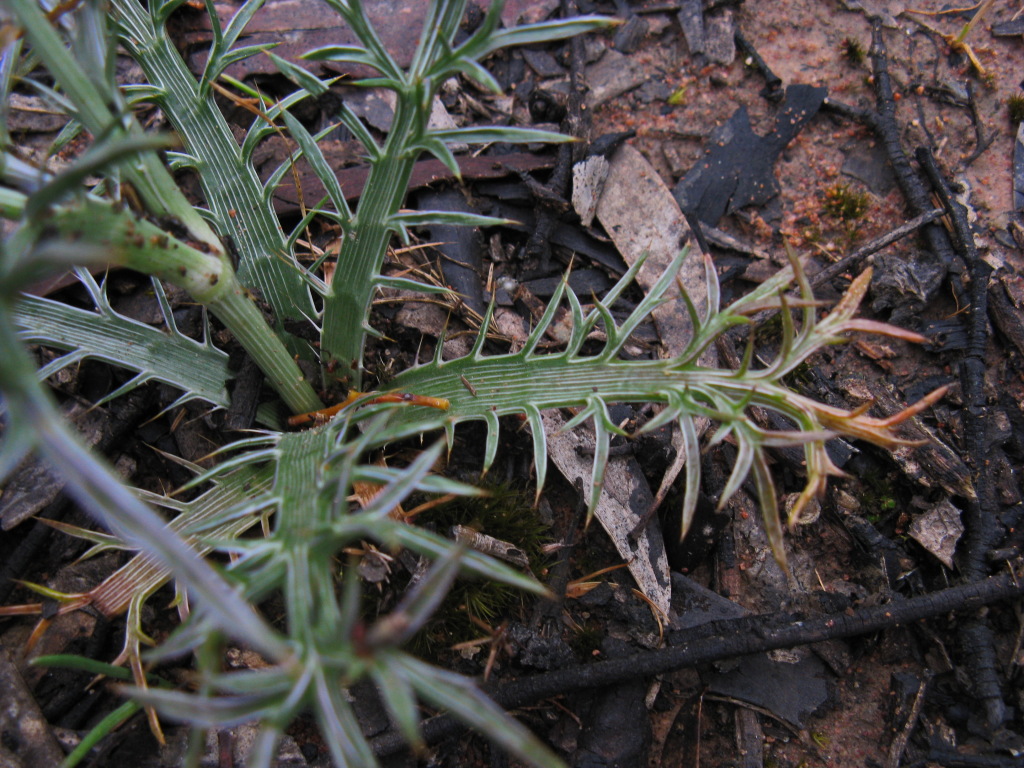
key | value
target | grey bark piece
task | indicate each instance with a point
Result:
(691, 19)
(905, 284)
(22, 723)
(629, 36)
(886, 10)
(1007, 314)
(1012, 28)
(612, 76)
(720, 37)
(9, 759)
(543, 63)
(377, 107)
(34, 486)
(623, 502)
(933, 464)
(634, 185)
(749, 739)
(938, 530)
(693, 605)
(588, 178)
(518, 12)
(32, 114)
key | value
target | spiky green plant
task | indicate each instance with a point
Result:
(300, 483)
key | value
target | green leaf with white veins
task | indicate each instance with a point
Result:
(197, 368)
(481, 387)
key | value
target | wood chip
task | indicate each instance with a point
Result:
(623, 502)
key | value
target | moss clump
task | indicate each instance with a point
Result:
(844, 203)
(853, 51)
(1015, 108)
(507, 514)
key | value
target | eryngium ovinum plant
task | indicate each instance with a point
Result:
(299, 484)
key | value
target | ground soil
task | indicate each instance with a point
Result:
(808, 42)
(865, 680)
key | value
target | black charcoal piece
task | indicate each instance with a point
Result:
(616, 726)
(870, 165)
(738, 168)
(461, 247)
(583, 282)
(792, 688)
(791, 691)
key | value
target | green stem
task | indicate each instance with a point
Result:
(234, 193)
(504, 385)
(12, 203)
(347, 306)
(146, 172)
(239, 314)
(209, 279)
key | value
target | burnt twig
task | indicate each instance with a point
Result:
(773, 90)
(980, 522)
(853, 261)
(982, 142)
(883, 122)
(913, 187)
(724, 639)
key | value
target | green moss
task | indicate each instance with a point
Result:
(878, 497)
(587, 639)
(1015, 108)
(507, 514)
(853, 51)
(844, 203)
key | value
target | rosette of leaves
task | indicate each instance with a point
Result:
(300, 483)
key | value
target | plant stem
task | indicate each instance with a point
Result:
(504, 384)
(209, 279)
(146, 173)
(234, 193)
(347, 306)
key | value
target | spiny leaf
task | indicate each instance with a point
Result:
(503, 133)
(196, 367)
(315, 157)
(464, 700)
(543, 32)
(527, 382)
(301, 77)
(221, 56)
(691, 449)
